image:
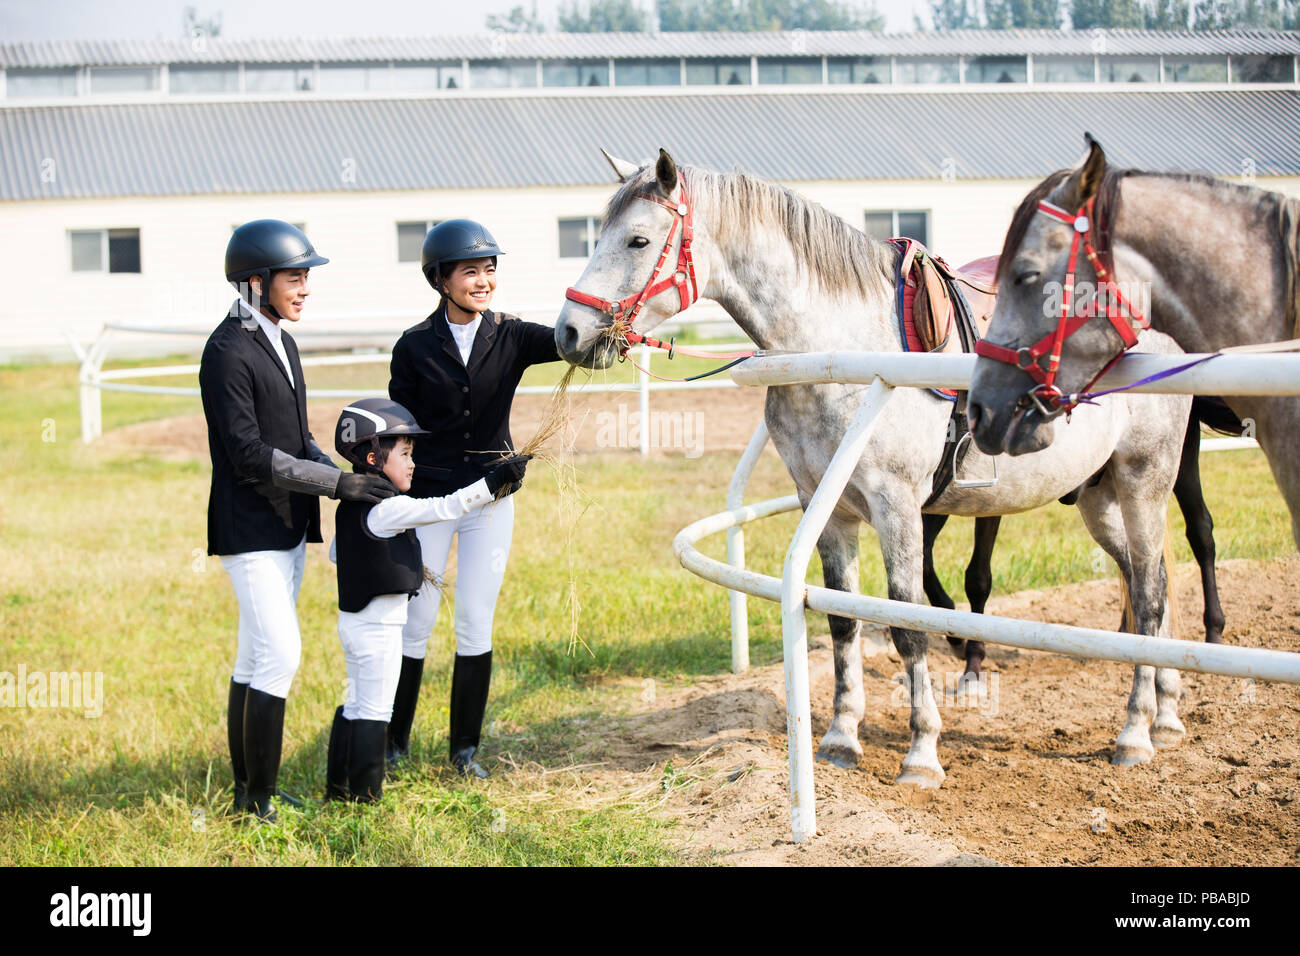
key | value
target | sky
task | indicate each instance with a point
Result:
(112, 19)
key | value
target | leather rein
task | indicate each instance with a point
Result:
(1119, 311)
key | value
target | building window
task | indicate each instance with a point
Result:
(578, 237)
(429, 76)
(277, 78)
(502, 74)
(22, 83)
(105, 250)
(575, 73)
(717, 72)
(1132, 70)
(1263, 69)
(355, 77)
(996, 69)
(917, 70)
(118, 79)
(223, 78)
(647, 73)
(1196, 69)
(410, 239)
(791, 70)
(863, 69)
(891, 223)
(1063, 69)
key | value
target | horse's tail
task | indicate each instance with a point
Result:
(1171, 601)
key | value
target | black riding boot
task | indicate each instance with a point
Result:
(366, 760)
(336, 759)
(263, 735)
(404, 701)
(235, 739)
(470, 677)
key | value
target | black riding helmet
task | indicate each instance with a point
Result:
(454, 241)
(263, 246)
(363, 423)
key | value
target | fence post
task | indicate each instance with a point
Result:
(92, 418)
(643, 397)
(794, 591)
(736, 549)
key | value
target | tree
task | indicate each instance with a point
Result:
(192, 26)
(1167, 15)
(955, 15)
(1107, 14)
(1022, 14)
(516, 21)
(754, 15)
(602, 16)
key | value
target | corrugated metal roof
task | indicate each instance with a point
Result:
(410, 144)
(55, 53)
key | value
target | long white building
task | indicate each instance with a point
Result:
(125, 164)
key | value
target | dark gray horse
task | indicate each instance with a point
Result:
(795, 277)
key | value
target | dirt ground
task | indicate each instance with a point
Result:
(1029, 779)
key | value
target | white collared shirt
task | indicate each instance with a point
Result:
(272, 330)
(464, 336)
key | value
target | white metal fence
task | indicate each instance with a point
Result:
(94, 379)
(1227, 375)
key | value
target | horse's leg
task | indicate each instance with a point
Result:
(931, 525)
(838, 547)
(1200, 527)
(1144, 507)
(979, 584)
(1104, 519)
(897, 519)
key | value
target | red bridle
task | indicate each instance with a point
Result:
(1050, 399)
(683, 276)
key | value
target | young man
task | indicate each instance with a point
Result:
(380, 568)
(267, 472)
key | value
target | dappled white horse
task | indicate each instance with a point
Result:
(796, 277)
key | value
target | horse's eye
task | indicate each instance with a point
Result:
(638, 242)
(1025, 278)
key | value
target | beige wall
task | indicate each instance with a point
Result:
(182, 245)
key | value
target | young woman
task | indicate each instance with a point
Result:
(457, 372)
(267, 472)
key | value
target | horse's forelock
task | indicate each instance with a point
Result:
(1023, 216)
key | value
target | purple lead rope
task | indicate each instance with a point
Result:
(1086, 398)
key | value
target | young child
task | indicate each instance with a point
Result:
(379, 570)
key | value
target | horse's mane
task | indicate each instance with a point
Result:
(840, 258)
(1283, 212)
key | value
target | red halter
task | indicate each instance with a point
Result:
(1049, 398)
(683, 276)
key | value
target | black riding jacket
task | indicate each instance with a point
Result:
(465, 410)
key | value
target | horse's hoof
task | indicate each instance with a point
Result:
(839, 750)
(840, 757)
(926, 778)
(1127, 756)
(1167, 735)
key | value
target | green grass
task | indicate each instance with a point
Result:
(103, 569)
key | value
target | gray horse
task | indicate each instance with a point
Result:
(795, 277)
(1220, 261)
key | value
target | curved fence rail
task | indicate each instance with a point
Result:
(883, 372)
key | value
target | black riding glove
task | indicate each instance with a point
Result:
(510, 473)
(369, 488)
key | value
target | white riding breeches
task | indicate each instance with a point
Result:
(372, 648)
(482, 550)
(270, 645)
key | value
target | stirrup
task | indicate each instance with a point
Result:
(972, 482)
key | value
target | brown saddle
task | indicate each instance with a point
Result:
(933, 314)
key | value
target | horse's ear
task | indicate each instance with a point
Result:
(1092, 171)
(666, 173)
(622, 168)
